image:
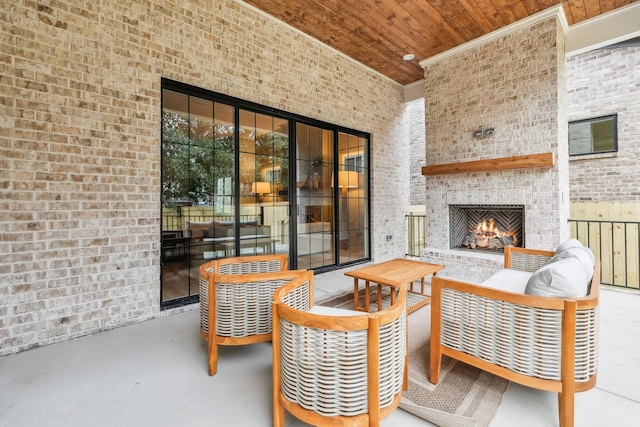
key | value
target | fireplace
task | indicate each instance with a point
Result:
(486, 227)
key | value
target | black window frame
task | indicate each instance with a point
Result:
(293, 118)
(614, 149)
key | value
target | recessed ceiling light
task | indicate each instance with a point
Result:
(408, 57)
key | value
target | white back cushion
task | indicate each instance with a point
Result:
(568, 244)
(582, 254)
(567, 275)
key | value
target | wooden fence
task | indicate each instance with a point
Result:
(417, 236)
(612, 231)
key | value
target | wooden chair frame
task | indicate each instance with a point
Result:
(236, 300)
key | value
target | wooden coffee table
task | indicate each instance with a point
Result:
(392, 273)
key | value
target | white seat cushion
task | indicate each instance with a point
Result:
(508, 280)
(333, 311)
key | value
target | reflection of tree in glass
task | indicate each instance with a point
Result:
(272, 150)
(195, 154)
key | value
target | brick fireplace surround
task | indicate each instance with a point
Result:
(513, 83)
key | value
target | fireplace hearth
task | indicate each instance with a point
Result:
(486, 227)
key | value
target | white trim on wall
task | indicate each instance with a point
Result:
(516, 26)
(413, 91)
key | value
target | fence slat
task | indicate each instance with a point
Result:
(417, 234)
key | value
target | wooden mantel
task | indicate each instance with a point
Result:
(502, 163)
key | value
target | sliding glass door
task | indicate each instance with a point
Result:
(242, 179)
(332, 201)
(353, 197)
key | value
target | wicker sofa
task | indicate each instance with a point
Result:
(545, 342)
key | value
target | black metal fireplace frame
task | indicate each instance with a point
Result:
(507, 217)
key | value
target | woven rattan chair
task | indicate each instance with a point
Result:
(235, 300)
(234, 265)
(541, 342)
(334, 366)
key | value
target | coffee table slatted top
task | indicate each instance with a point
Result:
(395, 272)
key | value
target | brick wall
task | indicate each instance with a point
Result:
(514, 84)
(80, 153)
(417, 156)
(599, 83)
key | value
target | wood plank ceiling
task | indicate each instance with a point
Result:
(378, 33)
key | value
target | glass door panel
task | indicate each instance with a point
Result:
(353, 175)
(200, 192)
(264, 169)
(223, 173)
(197, 186)
(314, 197)
(175, 243)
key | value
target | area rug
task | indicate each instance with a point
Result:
(464, 397)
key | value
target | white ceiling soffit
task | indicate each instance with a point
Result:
(603, 30)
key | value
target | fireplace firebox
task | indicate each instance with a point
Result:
(486, 227)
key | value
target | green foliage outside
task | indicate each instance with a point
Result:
(198, 160)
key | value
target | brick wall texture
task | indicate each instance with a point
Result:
(80, 152)
(514, 84)
(600, 83)
(417, 155)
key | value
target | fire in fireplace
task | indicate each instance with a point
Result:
(488, 235)
(486, 227)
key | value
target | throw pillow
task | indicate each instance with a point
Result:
(568, 244)
(584, 255)
(564, 278)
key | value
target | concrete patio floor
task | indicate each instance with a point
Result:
(154, 373)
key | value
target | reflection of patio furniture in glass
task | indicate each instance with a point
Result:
(266, 245)
(314, 237)
(174, 246)
(210, 237)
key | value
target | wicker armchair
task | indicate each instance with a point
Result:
(334, 366)
(546, 343)
(235, 300)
